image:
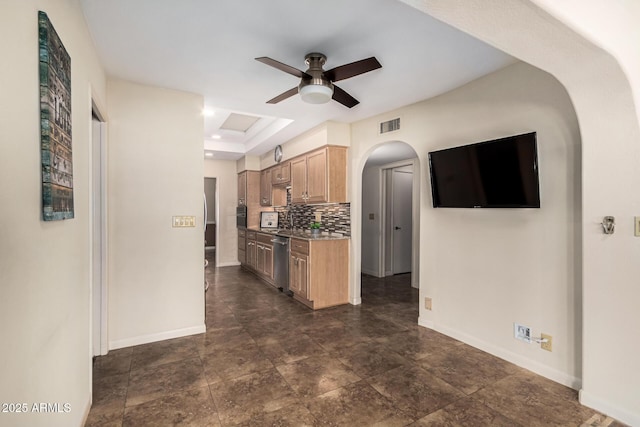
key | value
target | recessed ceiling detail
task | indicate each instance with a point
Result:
(239, 122)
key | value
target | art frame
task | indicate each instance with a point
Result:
(55, 123)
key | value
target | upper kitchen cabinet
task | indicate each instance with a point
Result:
(242, 188)
(265, 187)
(320, 176)
(281, 173)
(249, 196)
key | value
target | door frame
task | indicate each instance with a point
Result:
(99, 287)
(415, 217)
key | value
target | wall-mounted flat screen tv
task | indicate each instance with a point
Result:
(502, 173)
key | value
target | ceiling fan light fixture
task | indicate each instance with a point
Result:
(316, 94)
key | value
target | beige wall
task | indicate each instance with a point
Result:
(597, 65)
(156, 272)
(488, 268)
(331, 133)
(225, 173)
(44, 266)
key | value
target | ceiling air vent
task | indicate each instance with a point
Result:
(390, 126)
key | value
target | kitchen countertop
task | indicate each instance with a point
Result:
(301, 234)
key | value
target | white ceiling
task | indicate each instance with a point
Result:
(208, 47)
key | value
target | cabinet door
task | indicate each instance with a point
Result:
(268, 261)
(281, 174)
(260, 257)
(241, 244)
(294, 276)
(317, 177)
(242, 188)
(285, 172)
(251, 253)
(303, 272)
(298, 180)
(265, 187)
(298, 274)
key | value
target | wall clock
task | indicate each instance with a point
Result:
(277, 154)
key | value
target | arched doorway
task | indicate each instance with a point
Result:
(389, 241)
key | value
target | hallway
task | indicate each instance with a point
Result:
(267, 360)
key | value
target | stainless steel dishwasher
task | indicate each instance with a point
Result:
(281, 263)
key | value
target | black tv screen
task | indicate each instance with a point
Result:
(501, 173)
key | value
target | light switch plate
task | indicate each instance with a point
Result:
(637, 226)
(318, 216)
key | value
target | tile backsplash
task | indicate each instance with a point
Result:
(336, 217)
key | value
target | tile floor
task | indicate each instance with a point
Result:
(266, 360)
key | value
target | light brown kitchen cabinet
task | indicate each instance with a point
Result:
(265, 187)
(242, 254)
(320, 176)
(249, 196)
(242, 188)
(281, 174)
(299, 275)
(251, 249)
(264, 256)
(298, 179)
(319, 273)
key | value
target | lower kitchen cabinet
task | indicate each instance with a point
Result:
(299, 275)
(242, 257)
(319, 272)
(261, 254)
(251, 250)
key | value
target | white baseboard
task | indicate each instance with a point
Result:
(517, 359)
(228, 264)
(608, 408)
(370, 272)
(426, 323)
(356, 301)
(145, 339)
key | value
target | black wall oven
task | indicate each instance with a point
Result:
(241, 216)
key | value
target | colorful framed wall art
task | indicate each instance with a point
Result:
(55, 124)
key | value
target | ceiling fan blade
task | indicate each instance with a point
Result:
(283, 67)
(283, 96)
(350, 70)
(343, 97)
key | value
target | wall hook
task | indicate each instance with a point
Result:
(608, 224)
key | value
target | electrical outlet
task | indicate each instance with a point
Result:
(546, 345)
(183, 221)
(522, 333)
(318, 216)
(637, 226)
(427, 303)
(372, 216)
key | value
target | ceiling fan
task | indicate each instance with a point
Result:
(316, 85)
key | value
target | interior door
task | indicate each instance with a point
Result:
(98, 239)
(210, 200)
(401, 205)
